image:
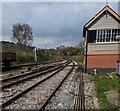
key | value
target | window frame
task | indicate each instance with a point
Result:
(107, 35)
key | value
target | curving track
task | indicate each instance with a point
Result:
(37, 91)
(7, 82)
(18, 95)
(40, 65)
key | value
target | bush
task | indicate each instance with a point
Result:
(23, 56)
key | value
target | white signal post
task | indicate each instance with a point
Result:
(36, 56)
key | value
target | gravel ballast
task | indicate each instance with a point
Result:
(35, 98)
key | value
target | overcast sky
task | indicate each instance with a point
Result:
(53, 23)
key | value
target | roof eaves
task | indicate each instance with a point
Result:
(106, 8)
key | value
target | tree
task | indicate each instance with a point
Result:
(22, 34)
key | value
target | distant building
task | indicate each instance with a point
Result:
(102, 42)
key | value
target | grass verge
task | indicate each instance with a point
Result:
(78, 59)
(103, 84)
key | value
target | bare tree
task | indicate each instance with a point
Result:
(22, 34)
(80, 45)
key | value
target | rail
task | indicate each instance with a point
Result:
(28, 65)
(30, 75)
(56, 89)
(80, 101)
(17, 96)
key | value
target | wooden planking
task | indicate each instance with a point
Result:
(105, 53)
(105, 23)
(103, 47)
(106, 8)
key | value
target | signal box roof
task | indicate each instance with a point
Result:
(97, 16)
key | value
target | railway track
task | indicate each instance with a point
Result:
(50, 63)
(55, 90)
(26, 77)
(8, 82)
(6, 103)
(39, 94)
(16, 83)
(64, 97)
(29, 65)
(79, 104)
(15, 97)
(4, 80)
(11, 78)
(17, 88)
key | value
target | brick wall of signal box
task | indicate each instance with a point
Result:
(102, 61)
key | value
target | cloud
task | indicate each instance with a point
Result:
(44, 41)
(58, 1)
(0, 38)
(53, 23)
(5, 38)
(51, 42)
